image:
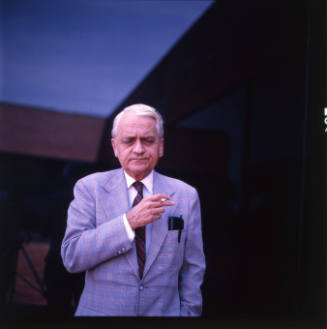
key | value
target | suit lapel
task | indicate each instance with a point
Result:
(159, 228)
(117, 190)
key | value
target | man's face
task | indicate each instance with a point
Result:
(137, 144)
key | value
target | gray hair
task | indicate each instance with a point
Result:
(139, 109)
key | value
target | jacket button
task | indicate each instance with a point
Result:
(141, 287)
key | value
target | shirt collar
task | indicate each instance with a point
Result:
(147, 181)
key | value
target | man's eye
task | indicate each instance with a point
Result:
(128, 141)
(149, 140)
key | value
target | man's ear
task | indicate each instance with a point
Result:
(114, 146)
(161, 148)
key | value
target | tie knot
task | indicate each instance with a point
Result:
(139, 187)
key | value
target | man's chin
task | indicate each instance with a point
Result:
(139, 172)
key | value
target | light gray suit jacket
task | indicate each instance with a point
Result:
(96, 242)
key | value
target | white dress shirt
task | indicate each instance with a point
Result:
(147, 191)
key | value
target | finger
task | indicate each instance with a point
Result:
(157, 204)
(168, 203)
(156, 211)
(160, 197)
(152, 219)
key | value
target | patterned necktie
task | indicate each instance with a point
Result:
(140, 231)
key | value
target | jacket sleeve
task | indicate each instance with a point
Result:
(193, 268)
(86, 244)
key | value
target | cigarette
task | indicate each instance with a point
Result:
(163, 199)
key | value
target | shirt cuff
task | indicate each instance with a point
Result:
(129, 231)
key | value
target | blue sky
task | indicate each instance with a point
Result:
(85, 56)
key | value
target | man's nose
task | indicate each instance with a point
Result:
(138, 147)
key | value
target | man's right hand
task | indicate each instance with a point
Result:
(148, 210)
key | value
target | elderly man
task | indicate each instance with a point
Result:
(135, 232)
